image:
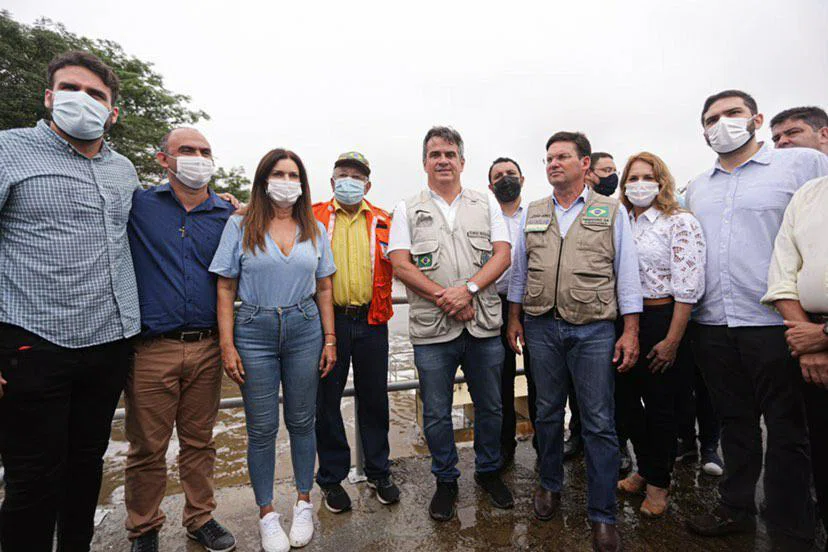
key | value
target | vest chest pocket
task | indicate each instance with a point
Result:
(596, 238)
(482, 247)
(426, 255)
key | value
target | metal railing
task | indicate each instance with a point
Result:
(357, 474)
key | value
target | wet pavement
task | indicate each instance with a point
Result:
(478, 526)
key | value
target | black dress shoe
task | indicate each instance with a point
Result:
(573, 447)
(546, 504)
(605, 538)
(148, 542)
(625, 464)
(720, 522)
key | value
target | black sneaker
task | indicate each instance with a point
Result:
(148, 542)
(336, 499)
(387, 492)
(711, 463)
(213, 537)
(499, 493)
(442, 506)
(719, 522)
(686, 449)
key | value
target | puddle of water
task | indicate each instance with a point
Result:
(404, 435)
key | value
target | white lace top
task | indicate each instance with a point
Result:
(671, 255)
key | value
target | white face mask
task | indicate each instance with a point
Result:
(78, 114)
(729, 134)
(641, 193)
(194, 171)
(283, 192)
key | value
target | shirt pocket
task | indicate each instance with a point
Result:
(763, 196)
(482, 250)
(426, 255)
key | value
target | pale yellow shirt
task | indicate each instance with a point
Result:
(353, 280)
(799, 266)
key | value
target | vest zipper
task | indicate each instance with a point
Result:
(558, 274)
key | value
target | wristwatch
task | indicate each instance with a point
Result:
(472, 287)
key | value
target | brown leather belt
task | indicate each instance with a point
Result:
(355, 312)
(190, 336)
(658, 302)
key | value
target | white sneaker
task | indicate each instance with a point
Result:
(273, 536)
(301, 530)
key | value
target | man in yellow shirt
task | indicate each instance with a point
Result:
(362, 303)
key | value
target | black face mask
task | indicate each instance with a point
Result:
(507, 189)
(606, 184)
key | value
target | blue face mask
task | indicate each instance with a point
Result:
(79, 115)
(349, 191)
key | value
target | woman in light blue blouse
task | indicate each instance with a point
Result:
(276, 257)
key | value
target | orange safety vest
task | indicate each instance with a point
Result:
(379, 226)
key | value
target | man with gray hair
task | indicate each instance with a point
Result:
(448, 245)
(174, 231)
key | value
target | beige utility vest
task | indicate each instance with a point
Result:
(575, 274)
(449, 257)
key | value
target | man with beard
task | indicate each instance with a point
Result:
(68, 306)
(741, 343)
(506, 183)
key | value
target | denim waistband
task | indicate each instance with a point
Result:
(301, 306)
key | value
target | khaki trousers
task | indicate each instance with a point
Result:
(171, 383)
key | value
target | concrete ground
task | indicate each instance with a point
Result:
(478, 526)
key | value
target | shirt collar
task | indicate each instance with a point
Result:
(584, 196)
(763, 157)
(650, 214)
(45, 130)
(213, 201)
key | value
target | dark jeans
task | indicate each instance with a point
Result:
(507, 391)
(575, 413)
(749, 374)
(693, 401)
(652, 425)
(55, 420)
(816, 405)
(564, 352)
(481, 360)
(367, 347)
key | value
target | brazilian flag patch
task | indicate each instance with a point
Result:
(597, 215)
(425, 261)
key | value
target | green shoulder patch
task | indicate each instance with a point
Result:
(425, 261)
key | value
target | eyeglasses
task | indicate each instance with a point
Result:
(549, 159)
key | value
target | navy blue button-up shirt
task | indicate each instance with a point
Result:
(172, 250)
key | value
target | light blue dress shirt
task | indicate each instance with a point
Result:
(269, 278)
(65, 269)
(627, 280)
(740, 213)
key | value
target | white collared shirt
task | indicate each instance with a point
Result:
(400, 236)
(671, 255)
(513, 225)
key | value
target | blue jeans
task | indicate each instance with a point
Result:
(279, 345)
(482, 361)
(563, 352)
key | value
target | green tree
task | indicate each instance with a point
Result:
(232, 181)
(148, 109)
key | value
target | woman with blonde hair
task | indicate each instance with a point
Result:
(277, 258)
(671, 252)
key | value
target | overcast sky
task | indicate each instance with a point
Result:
(323, 78)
